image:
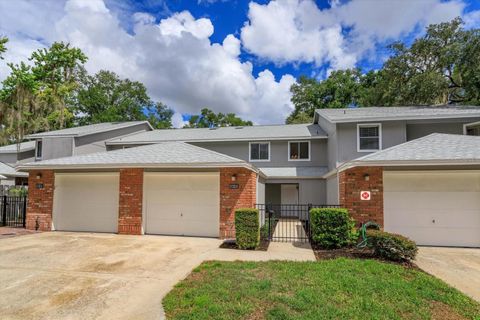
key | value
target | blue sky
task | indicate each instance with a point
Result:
(228, 55)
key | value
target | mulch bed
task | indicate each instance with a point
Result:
(230, 244)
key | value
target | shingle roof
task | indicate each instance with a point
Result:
(294, 172)
(398, 113)
(6, 170)
(86, 130)
(161, 155)
(24, 146)
(434, 148)
(248, 133)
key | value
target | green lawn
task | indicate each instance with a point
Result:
(330, 289)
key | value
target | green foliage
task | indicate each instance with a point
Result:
(332, 227)
(391, 246)
(3, 48)
(441, 67)
(160, 116)
(247, 228)
(18, 192)
(208, 119)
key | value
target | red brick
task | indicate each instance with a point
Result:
(40, 201)
(130, 201)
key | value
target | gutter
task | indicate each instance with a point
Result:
(406, 163)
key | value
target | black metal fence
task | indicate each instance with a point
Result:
(287, 222)
(13, 211)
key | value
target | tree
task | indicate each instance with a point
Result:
(3, 48)
(57, 69)
(160, 116)
(209, 119)
(104, 97)
(20, 110)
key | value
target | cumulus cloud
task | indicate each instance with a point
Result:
(294, 31)
(174, 57)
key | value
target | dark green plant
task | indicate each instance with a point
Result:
(391, 246)
(332, 227)
(247, 228)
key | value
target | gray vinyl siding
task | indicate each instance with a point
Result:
(53, 148)
(332, 143)
(309, 190)
(14, 158)
(332, 190)
(278, 153)
(393, 133)
(418, 130)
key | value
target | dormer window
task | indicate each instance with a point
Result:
(472, 129)
(38, 149)
(259, 151)
(369, 137)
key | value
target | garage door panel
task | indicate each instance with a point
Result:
(182, 204)
(86, 202)
(434, 208)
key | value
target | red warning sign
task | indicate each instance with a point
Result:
(364, 195)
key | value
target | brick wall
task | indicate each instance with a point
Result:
(131, 201)
(352, 182)
(40, 200)
(230, 199)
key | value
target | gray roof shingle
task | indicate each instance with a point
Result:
(86, 130)
(435, 147)
(24, 146)
(398, 113)
(162, 155)
(248, 133)
(6, 170)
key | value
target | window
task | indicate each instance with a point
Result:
(299, 150)
(472, 129)
(259, 151)
(369, 137)
(38, 149)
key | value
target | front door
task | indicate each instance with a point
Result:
(289, 198)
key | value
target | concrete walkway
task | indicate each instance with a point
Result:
(62, 275)
(289, 228)
(459, 267)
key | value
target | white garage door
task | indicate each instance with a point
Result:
(439, 208)
(182, 203)
(86, 202)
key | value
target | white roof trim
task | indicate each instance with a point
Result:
(405, 163)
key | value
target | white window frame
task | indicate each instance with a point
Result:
(369, 125)
(300, 141)
(467, 125)
(36, 149)
(250, 151)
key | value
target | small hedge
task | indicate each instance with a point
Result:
(332, 228)
(391, 246)
(247, 228)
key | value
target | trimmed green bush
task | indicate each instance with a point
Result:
(391, 246)
(247, 228)
(332, 227)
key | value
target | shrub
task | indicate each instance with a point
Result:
(247, 228)
(391, 246)
(332, 227)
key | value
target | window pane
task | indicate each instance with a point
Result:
(304, 150)
(294, 150)
(263, 151)
(369, 144)
(39, 149)
(368, 131)
(254, 151)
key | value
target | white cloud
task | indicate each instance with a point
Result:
(174, 58)
(177, 120)
(293, 31)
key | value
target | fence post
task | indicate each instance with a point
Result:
(24, 211)
(4, 210)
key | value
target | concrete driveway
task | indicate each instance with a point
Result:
(93, 276)
(60, 275)
(459, 267)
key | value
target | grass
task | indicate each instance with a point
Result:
(331, 289)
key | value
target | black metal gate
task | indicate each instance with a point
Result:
(287, 222)
(13, 211)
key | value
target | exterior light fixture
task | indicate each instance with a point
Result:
(366, 177)
(234, 177)
(39, 175)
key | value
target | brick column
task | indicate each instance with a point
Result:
(130, 201)
(245, 196)
(40, 200)
(351, 182)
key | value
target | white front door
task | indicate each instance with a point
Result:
(86, 202)
(182, 203)
(289, 198)
(440, 208)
